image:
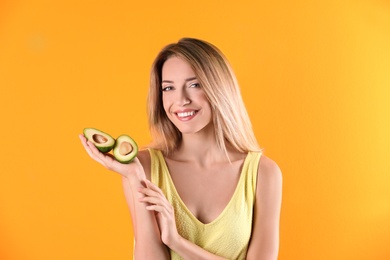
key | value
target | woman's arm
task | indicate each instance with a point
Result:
(264, 244)
(148, 244)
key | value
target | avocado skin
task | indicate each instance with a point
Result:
(101, 148)
(129, 158)
(104, 149)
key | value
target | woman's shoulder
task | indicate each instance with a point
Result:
(269, 187)
(269, 170)
(143, 153)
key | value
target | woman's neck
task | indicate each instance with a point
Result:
(196, 147)
(203, 150)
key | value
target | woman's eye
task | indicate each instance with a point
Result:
(167, 88)
(195, 85)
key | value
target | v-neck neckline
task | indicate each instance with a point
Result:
(227, 206)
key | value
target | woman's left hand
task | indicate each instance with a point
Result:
(155, 200)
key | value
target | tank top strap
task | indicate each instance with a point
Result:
(250, 168)
(160, 174)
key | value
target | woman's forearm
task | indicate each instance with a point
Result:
(188, 250)
(148, 244)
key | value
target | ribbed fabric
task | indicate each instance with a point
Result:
(229, 234)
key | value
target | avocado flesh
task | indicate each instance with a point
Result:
(125, 149)
(103, 141)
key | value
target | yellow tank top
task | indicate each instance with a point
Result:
(229, 234)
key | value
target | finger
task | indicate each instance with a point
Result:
(87, 146)
(154, 198)
(95, 153)
(149, 192)
(154, 187)
(83, 141)
(156, 208)
(92, 151)
(86, 143)
(82, 137)
(151, 200)
(163, 211)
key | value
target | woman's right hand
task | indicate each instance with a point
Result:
(133, 169)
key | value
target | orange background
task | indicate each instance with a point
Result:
(314, 76)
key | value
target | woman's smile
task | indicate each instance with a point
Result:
(186, 115)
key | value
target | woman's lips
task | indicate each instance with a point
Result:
(186, 115)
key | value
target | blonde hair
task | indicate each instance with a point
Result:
(216, 78)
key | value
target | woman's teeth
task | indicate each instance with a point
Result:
(185, 114)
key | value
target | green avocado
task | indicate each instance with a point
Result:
(125, 149)
(103, 141)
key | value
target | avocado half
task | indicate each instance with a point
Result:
(125, 149)
(103, 141)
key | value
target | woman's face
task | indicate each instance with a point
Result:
(184, 100)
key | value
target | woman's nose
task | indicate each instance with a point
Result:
(184, 98)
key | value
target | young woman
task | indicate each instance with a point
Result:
(203, 189)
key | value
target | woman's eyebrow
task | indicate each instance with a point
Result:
(192, 78)
(167, 81)
(170, 81)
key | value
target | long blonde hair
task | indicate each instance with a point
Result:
(217, 79)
